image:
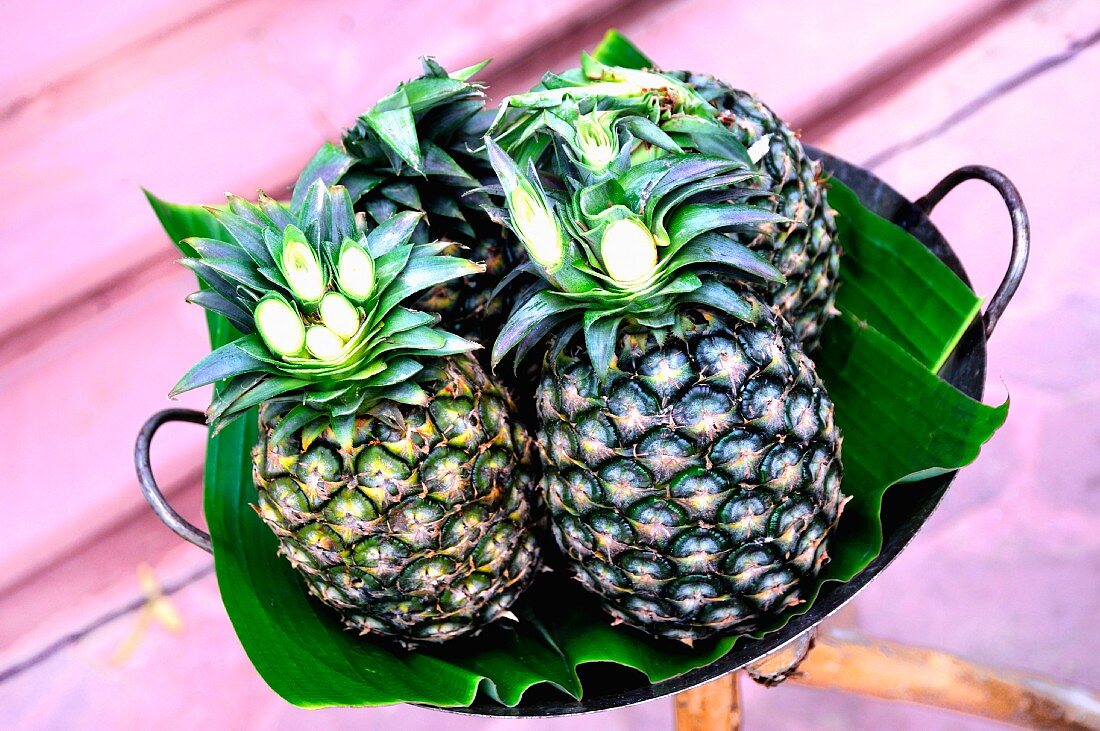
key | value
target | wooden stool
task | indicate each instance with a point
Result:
(846, 661)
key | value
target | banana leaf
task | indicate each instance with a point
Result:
(884, 274)
(898, 418)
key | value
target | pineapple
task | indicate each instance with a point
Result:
(415, 150)
(419, 149)
(694, 489)
(468, 304)
(388, 464)
(691, 463)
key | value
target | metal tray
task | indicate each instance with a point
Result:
(610, 686)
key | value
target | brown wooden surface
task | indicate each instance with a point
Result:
(847, 662)
(715, 706)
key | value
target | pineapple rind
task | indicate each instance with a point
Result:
(419, 529)
(695, 490)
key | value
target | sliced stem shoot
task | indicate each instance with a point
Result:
(279, 325)
(339, 315)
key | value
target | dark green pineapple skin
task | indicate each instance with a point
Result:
(469, 309)
(419, 529)
(695, 491)
(467, 305)
(805, 251)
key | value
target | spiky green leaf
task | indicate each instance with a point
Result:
(224, 362)
(328, 165)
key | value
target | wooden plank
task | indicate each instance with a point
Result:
(82, 400)
(802, 62)
(851, 663)
(200, 678)
(1050, 28)
(59, 599)
(1037, 42)
(714, 705)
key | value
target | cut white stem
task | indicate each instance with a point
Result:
(760, 148)
(323, 343)
(303, 271)
(595, 142)
(633, 82)
(279, 325)
(355, 271)
(339, 315)
(537, 227)
(629, 251)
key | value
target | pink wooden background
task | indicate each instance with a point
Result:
(191, 99)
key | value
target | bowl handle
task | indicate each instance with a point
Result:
(149, 487)
(1021, 231)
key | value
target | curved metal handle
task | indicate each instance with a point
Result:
(149, 487)
(1021, 231)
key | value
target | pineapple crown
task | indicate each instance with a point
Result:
(607, 118)
(621, 184)
(413, 151)
(318, 299)
(628, 248)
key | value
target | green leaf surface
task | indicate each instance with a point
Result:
(615, 49)
(898, 418)
(887, 272)
(215, 302)
(327, 165)
(224, 362)
(694, 219)
(392, 120)
(183, 222)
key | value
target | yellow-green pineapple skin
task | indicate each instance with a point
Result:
(417, 529)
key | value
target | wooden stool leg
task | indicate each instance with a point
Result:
(715, 706)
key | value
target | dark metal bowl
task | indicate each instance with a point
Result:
(610, 686)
